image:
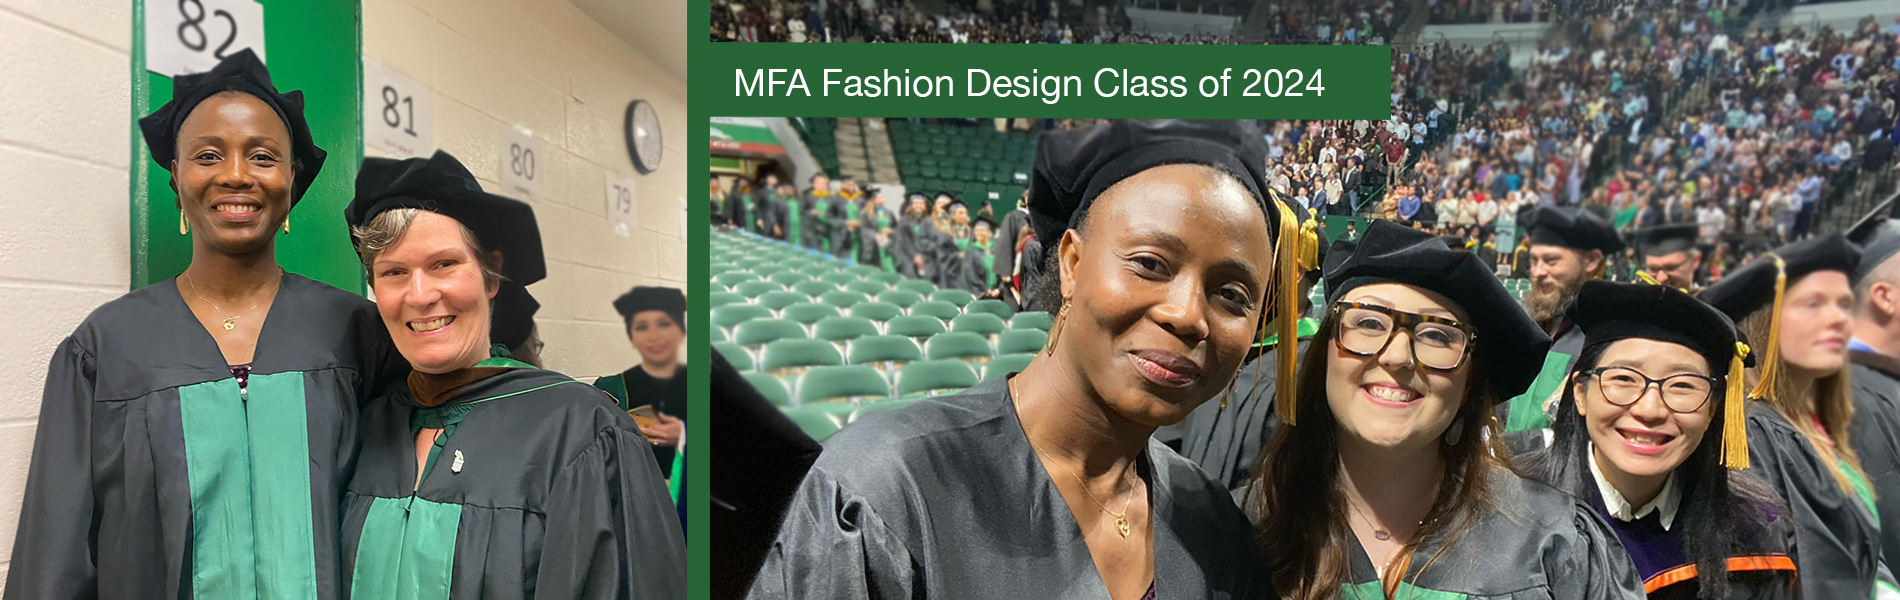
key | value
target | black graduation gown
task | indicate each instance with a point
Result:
(154, 476)
(1532, 542)
(944, 498)
(762, 457)
(818, 221)
(634, 388)
(1003, 245)
(844, 238)
(1031, 259)
(1837, 544)
(1875, 434)
(974, 271)
(914, 238)
(544, 489)
(1226, 441)
(768, 212)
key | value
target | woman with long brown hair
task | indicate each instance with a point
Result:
(1797, 305)
(1048, 483)
(1387, 480)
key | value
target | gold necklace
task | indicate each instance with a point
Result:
(1121, 518)
(231, 321)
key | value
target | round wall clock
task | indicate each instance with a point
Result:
(643, 136)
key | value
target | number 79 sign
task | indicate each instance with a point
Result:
(191, 36)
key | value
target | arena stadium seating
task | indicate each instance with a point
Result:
(971, 162)
(828, 340)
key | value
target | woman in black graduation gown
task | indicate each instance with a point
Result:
(195, 434)
(1047, 484)
(655, 318)
(913, 238)
(1663, 465)
(485, 477)
(1387, 478)
(1797, 304)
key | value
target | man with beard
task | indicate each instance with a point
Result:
(1875, 354)
(1670, 256)
(1568, 247)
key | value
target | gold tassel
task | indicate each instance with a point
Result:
(1734, 425)
(1286, 284)
(1643, 276)
(1771, 356)
(1309, 242)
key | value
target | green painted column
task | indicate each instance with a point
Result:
(310, 45)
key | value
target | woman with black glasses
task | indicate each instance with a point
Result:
(1387, 480)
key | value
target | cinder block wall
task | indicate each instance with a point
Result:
(541, 64)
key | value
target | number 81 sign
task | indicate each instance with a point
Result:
(191, 36)
(396, 113)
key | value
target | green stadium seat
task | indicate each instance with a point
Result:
(718, 299)
(1032, 320)
(748, 262)
(935, 377)
(770, 387)
(732, 315)
(808, 313)
(915, 326)
(861, 271)
(816, 270)
(842, 299)
(838, 279)
(982, 324)
(990, 306)
(842, 329)
(789, 358)
(1006, 364)
(900, 298)
(965, 346)
(1021, 341)
(879, 406)
(885, 352)
(767, 271)
(934, 308)
(718, 335)
(789, 278)
(868, 288)
(876, 311)
(916, 286)
(885, 277)
(821, 420)
(852, 383)
(754, 289)
(759, 332)
(728, 280)
(736, 355)
(814, 289)
(960, 298)
(779, 299)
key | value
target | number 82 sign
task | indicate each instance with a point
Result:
(191, 36)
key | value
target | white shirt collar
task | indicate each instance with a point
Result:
(1666, 501)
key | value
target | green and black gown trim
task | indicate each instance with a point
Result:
(154, 475)
(1837, 535)
(1527, 411)
(634, 388)
(536, 487)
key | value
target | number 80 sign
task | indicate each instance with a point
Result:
(191, 36)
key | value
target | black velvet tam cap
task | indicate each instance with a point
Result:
(239, 72)
(1571, 228)
(441, 184)
(1754, 285)
(644, 298)
(1074, 167)
(1511, 346)
(1667, 239)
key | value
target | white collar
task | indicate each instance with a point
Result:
(1666, 501)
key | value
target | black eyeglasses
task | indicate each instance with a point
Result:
(1682, 392)
(1367, 329)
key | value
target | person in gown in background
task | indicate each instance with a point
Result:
(655, 318)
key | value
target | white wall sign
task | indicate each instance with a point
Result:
(191, 36)
(522, 167)
(621, 209)
(397, 117)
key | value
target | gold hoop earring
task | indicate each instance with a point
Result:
(183, 227)
(286, 225)
(1055, 332)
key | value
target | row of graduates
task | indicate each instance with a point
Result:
(940, 240)
(320, 445)
(1676, 462)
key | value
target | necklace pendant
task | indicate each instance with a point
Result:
(1382, 534)
(230, 324)
(1121, 525)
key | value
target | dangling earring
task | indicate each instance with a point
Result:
(1055, 332)
(1456, 433)
(183, 227)
(286, 225)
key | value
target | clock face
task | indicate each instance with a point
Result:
(643, 136)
